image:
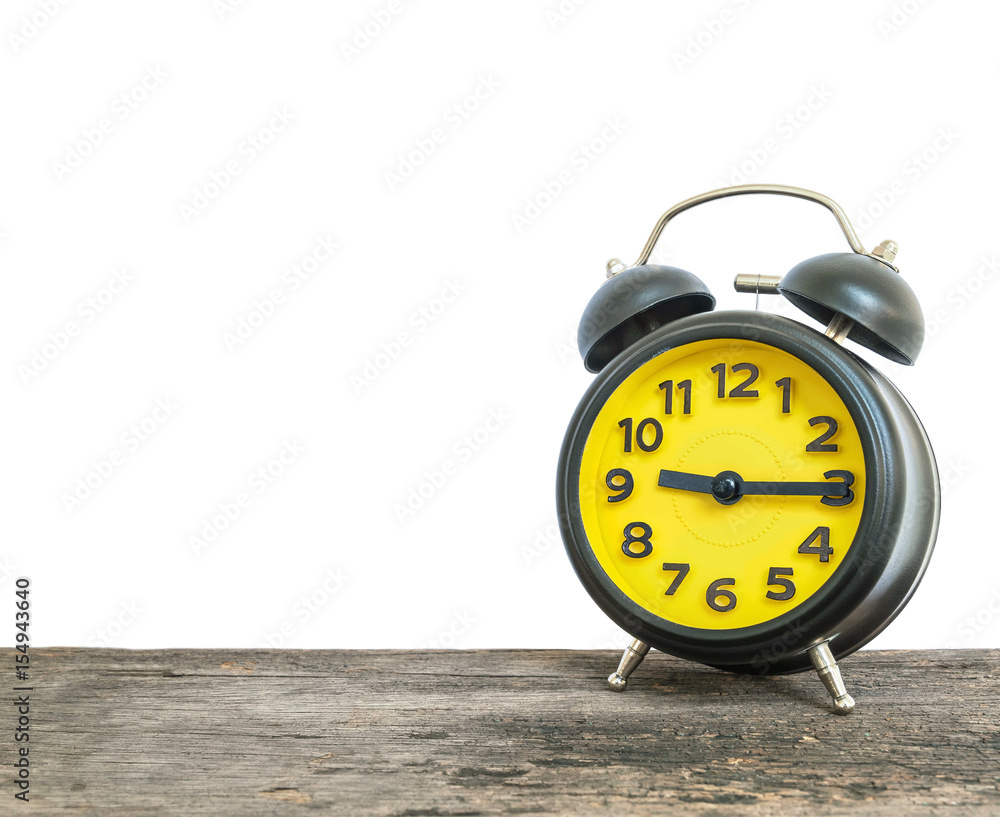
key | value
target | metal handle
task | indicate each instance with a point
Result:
(743, 189)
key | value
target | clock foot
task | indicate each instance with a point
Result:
(634, 653)
(829, 674)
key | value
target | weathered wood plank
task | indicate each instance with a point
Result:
(118, 732)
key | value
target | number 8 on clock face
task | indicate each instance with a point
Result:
(722, 483)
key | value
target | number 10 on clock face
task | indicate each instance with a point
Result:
(722, 484)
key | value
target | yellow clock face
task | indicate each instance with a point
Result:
(722, 484)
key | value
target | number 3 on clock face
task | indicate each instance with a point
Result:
(721, 484)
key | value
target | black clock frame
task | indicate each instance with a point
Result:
(890, 551)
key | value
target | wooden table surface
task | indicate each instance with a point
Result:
(121, 732)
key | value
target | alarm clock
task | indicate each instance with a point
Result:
(738, 488)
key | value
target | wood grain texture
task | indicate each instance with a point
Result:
(120, 732)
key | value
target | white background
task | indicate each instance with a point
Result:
(493, 155)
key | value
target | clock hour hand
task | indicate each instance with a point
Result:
(686, 482)
(728, 486)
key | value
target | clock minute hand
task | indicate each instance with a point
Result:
(728, 485)
(835, 489)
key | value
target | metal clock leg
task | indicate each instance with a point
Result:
(829, 674)
(634, 653)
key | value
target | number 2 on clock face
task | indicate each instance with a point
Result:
(703, 484)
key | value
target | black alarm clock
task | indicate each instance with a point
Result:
(738, 488)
